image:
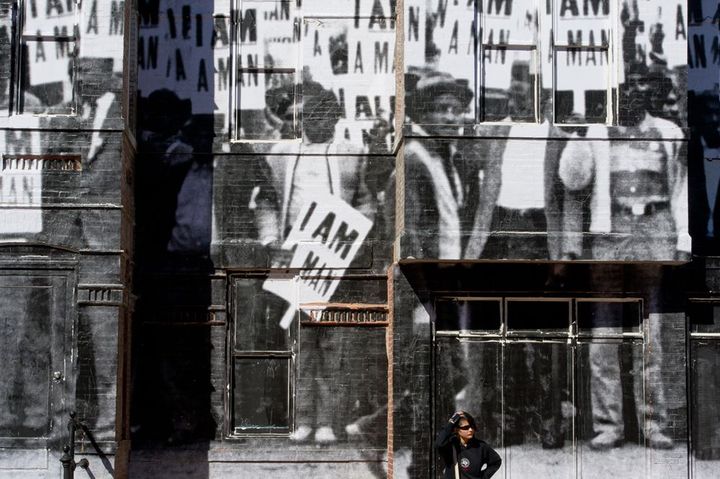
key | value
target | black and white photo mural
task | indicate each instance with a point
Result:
(576, 371)
(704, 108)
(265, 181)
(704, 164)
(546, 130)
(62, 67)
(253, 84)
(63, 212)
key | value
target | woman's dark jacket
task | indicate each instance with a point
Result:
(471, 457)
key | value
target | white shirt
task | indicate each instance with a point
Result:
(523, 167)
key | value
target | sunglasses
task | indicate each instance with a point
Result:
(465, 428)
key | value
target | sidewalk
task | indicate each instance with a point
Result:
(519, 462)
(627, 462)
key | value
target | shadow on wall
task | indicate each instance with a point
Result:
(171, 376)
(172, 347)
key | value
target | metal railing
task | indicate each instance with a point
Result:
(68, 458)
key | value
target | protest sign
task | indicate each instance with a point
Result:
(361, 10)
(352, 55)
(454, 38)
(56, 32)
(415, 30)
(102, 29)
(20, 182)
(667, 20)
(175, 50)
(360, 70)
(583, 52)
(325, 238)
(49, 60)
(512, 25)
(703, 48)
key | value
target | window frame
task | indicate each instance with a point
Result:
(611, 50)
(233, 354)
(19, 49)
(235, 94)
(539, 51)
(572, 339)
(573, 332)
(309, 316)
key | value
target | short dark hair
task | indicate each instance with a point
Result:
(321, 105)
(321, 112)
(470, 419)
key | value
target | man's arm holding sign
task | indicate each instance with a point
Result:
(325, 238)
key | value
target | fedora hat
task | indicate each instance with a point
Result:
(426, 85)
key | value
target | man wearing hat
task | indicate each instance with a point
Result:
(324, 166)
(640, 194)
(436, 181)
(335, 167)
(639, 212)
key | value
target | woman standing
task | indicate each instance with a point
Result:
(465, 456)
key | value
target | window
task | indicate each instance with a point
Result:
(6, 35)
(287, 51)
(530, 61)
(267, 34)
(41, 44)
(582, 73)
(546, 60)
(527, 364)
(261, 362)
(332, 357)
(509, 61)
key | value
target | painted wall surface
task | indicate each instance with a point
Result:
(60, 114)
(265, 221)
(65, 232)
(546, 130)
(564, 373)
(314, 188)
(269, 210)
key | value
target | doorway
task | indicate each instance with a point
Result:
(562, 386)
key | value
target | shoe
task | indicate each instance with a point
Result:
(301, 434)
(551, 440)
(353, 431)
(606, 440)
(659, 440)
(325, 435)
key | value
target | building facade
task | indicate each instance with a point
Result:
(331, 225)
(66, 210)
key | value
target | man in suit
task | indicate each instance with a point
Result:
(438, 179)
